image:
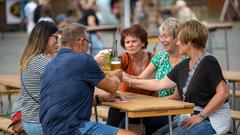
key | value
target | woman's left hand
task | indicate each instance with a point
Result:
(190, 121)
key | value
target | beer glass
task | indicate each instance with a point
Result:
(115, 64)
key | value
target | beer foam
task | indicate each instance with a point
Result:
(115, 62)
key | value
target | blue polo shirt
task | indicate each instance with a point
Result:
(67, 88)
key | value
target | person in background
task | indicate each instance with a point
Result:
(183, 12)
(161, 64)
(89, 18)
(199, 80)
(165, 10)
(43, 11)
(29, 13)
(40, 49)
(67, 88)
(62, 21)
(134, 60)
(106, 15)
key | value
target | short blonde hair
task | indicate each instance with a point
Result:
(171, 25)
(193, 31)
(73, 32)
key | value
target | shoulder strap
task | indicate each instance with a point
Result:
(190, 75)
(30, 95)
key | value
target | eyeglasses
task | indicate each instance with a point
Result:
(89, 42)
(55, 36)
(164, 37)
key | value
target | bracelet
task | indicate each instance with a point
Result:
(202, 115)
(97, 99)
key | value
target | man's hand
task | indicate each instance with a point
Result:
(116, 97)
(100, 57)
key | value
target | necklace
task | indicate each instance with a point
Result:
(137, 68)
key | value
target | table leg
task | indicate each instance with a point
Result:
(210, 42)
(126, 120)
(1, 105)
(170, 124)
(143, 126)
(9, 103)
(226, 47)
(233, 104)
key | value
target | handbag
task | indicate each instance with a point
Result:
(17, 124)
(17, 117)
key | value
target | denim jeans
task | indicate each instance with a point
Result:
(202, 128)
(32, 128)
(97, 44)
(93, 128)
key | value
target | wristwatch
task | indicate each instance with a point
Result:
(202, 115)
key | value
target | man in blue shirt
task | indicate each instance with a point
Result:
(67, 88)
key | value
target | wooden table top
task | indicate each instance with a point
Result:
(148, 104)
(11, 81)
(232, 75)
(218, 25)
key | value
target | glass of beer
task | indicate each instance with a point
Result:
(106, 67)
(115, 64)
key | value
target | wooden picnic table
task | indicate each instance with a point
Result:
(102, 28)
(139, 106)
(10, 86)
(232, 77)
(214, 26)
(10, 81)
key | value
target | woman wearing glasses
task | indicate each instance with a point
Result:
(40, 49)
(161, 64)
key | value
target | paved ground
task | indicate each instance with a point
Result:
(12, 45)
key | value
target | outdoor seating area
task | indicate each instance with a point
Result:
(125, 67)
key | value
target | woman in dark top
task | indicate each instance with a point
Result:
(89, 18)
(199, 80)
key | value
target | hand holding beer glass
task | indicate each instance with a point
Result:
(103, 58)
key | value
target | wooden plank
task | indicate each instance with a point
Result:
(102, 28)
(137, 102)
(4, 92)
(4, 123)
(153, 39)
(10, 81)
(232, 75)
(102, 112)
(159, 113)
(235, 114)
(237, 93)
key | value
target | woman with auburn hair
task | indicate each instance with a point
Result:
(199, 80)
(40, 49)
(134, 60)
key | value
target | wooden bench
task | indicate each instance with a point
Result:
(4, 123)
(237, 93)
(235, 115)
(102, 112)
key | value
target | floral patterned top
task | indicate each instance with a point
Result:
(161, 62)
